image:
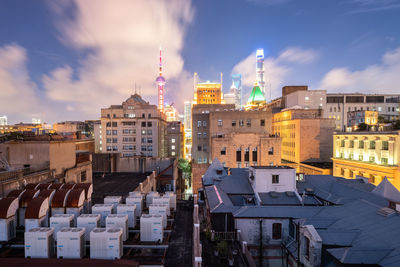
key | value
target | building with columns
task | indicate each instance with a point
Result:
(373, 155)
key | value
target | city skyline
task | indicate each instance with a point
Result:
(68, 59)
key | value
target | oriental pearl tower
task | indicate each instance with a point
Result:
(160, 84)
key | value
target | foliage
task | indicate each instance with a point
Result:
(222, 248)
(396, 125)
(208, 234)
(185, 166)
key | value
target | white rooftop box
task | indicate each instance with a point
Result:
(106, 243)
(89, 222)
(104, 210)
(172, 197)
(128, 209)
(150, 196)
(155, 209)
(59, 221)
(164, 200)
(71, 243)
(138, 201)
(39, 243)
(115, 200)
(151, 228)
(8, 222)
(136, 194)
(118, 221)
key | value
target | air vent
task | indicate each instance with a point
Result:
(386, 212)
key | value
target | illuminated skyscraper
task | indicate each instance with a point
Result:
(3, 120)
(260, 70)
(160, 84)
(237, 84)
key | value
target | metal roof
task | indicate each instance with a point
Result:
(59, 199)
(27, 196)
(368, 255)
(279, 199)
(76, 198)
(88, 187)
(8, 207)
(387, 190)
(37, 208)
(278, 211)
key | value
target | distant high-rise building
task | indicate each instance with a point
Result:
(3, 120)
(208, 93)
(187, 121)
(160, 85)
(237, 83)
(260, 70)
(171, 113)
(36, 121)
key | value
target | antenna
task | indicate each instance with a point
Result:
(135, 88)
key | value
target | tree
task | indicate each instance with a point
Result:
(185, 166)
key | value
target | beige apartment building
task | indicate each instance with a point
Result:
(373, 155)
(237, 138)
(135, 128)
(306, 135)
(175, 139)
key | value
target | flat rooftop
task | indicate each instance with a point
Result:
(271, 167)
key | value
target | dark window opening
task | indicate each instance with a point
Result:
(275, 178)
(254, 155)
(262, 122)
(246, 155)
(276, 231)
(239, 155)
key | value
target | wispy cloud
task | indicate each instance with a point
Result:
(366, 6)
(382, 78)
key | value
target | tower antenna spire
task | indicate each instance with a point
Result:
(160, 85)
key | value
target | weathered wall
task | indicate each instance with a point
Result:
(19, 154)
(62, 156)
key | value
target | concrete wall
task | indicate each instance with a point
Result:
(263, 180)
(62, 156)
(19, 154)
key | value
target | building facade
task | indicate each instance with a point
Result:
(373, 155)
(306, 135)
(368, 117)
(175, 139)
(3, 120)
(208, 93)
(134, 128)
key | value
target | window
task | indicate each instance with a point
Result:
(351, 143)
(254, 156)
(172, 147)
(342, 143)
(149, 115)
(223, 151)
(150, 132)
(115, 132)
(143, 116)
(198, 123)
(385, 145)
(199, 160)
(241, 123)
(330, 109)
(108, 124)
(238, 155)
(198, 148)
(149, 140)
(371, 159)
(114, 124)
(173, 153)
(371, 144)
(143, 132)
(275, 178)
(149, 148)
(262, 122)
(271, 151)
(360, 157)
(173, 140)
(115, 148)
(108, 115)
(384, 161)
(361, 144)
(198, 135)
(219, 122)
(204, 135)
(115, 140)
(204, 124)
(233, 123)
(144, 140)
(246, 155)
(108, 132)
(276, 231)
(109, 148)
(149, 124)
(143, 124)
(307, 248)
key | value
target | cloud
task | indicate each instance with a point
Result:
(366, 6)
(17, 94)
(121, 42)
(276, 69)
(378, 78)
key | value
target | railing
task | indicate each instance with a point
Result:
(197, 260)
(245, 250)
(228, 236)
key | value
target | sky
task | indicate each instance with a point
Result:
(66, 59)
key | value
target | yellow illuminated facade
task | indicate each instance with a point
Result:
(373, 155)
(208, 93)
(305, 135)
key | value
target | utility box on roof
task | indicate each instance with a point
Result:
(8, 222)
(39, 243)
(150, 196)
(151, 228)
(155, 209)
(59, 201)
(114, 200)
(59, 221)
(36, 213)
(104, 210)
(128, 209)
(75, 202)
(138, 202)
(71, 243)
(118, 221)
(106, 244)
(26, 197)
(88, 187)
(172, 197)
(88, 222)
(164, 200)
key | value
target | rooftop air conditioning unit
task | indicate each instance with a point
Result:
(114, 200)
(39, 243)
(88, 222)
(59, 201)
(26, 197)
(71, 243)
(128, 209)
(150, 196)
(59, 221)
(75, 202)
(8, 219)
(106, 243)
(118, 221)
(136, 194)
(151, 228)
(36, 213)
(172, 199)
(138, 201)
(156, 209)
(104, 210)
(88, 187)
(164, 200)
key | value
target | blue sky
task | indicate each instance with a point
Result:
(64, 60)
